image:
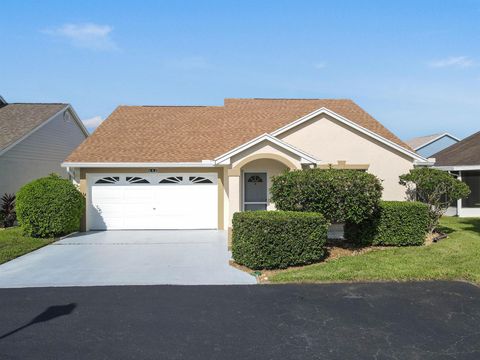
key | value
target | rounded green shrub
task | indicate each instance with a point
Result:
(49, 206)
(396, 223)
(278, 239)
(340, 195)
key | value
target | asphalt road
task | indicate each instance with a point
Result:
(433, 320)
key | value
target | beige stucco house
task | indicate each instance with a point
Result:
(192, 167)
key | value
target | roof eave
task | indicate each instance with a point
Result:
(74, 164)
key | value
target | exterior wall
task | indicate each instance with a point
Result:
(40, 154)
(436, 146)
(331, 141)
(218, 171)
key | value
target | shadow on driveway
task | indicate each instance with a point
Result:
(52, 312)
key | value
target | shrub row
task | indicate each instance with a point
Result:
(395, 223)
(340, 195)
(278, 239)
(49, 207)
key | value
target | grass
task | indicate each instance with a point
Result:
(14, 244)
(454, 258)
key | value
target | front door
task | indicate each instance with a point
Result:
(255, 191)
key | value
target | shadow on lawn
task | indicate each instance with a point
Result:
(50, 313)
(466, 224)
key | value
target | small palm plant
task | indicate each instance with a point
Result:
(7, 210)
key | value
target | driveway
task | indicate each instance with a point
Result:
(187, 257)
(430, 320)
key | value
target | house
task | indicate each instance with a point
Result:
(463, 160)
(34, 140)
(192, 167)
(431, 144)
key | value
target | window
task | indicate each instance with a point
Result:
(255, 179)
(137, 180)
(472, 179)
(199, 180)
(108, 180)
(172, 180)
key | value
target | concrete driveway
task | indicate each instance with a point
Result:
(187, 257)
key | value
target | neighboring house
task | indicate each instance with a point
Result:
(431, 144)
(463, 160)
(192, 167)
(34, 140)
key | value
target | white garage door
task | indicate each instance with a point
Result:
(152, 201)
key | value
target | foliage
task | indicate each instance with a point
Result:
(7, 210)
(278, 239)
(49, 206)
(340, 195)
(396, 223)
(436, 188)
(454, 258)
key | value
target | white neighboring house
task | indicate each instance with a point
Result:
(431, 144)
(34, 140)
(463, 160)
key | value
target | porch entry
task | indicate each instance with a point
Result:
(255, 191)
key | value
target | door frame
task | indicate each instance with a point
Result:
(245, 184)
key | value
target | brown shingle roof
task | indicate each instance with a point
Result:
(465, 152)
(191, 134)
(17, 120)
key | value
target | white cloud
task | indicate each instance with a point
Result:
(90, 36)
(453, 61)
(93, 122)
(320, 65)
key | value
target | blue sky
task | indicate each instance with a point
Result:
(414, 65)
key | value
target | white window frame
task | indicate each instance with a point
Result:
(244, 188)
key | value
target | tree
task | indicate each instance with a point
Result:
(436, 188)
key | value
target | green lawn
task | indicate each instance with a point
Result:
(13, 244)
(454, 258)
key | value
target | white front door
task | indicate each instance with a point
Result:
(152, 201)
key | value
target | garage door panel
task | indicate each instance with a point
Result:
(123, 205)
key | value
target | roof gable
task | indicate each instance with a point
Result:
(19, 120)
(465, 152)
(420, 142)
(196, 133)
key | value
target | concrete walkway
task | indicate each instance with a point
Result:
(186, 257)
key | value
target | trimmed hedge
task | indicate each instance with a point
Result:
(396, 223)
(340, 195)
(278, 239)
(49, 207)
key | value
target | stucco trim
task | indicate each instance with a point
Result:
(353, 125)
(305, 158)
(344, 166)
(236, 171)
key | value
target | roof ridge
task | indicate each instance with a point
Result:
(37, 103)
(286, 98)
(175, 106)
